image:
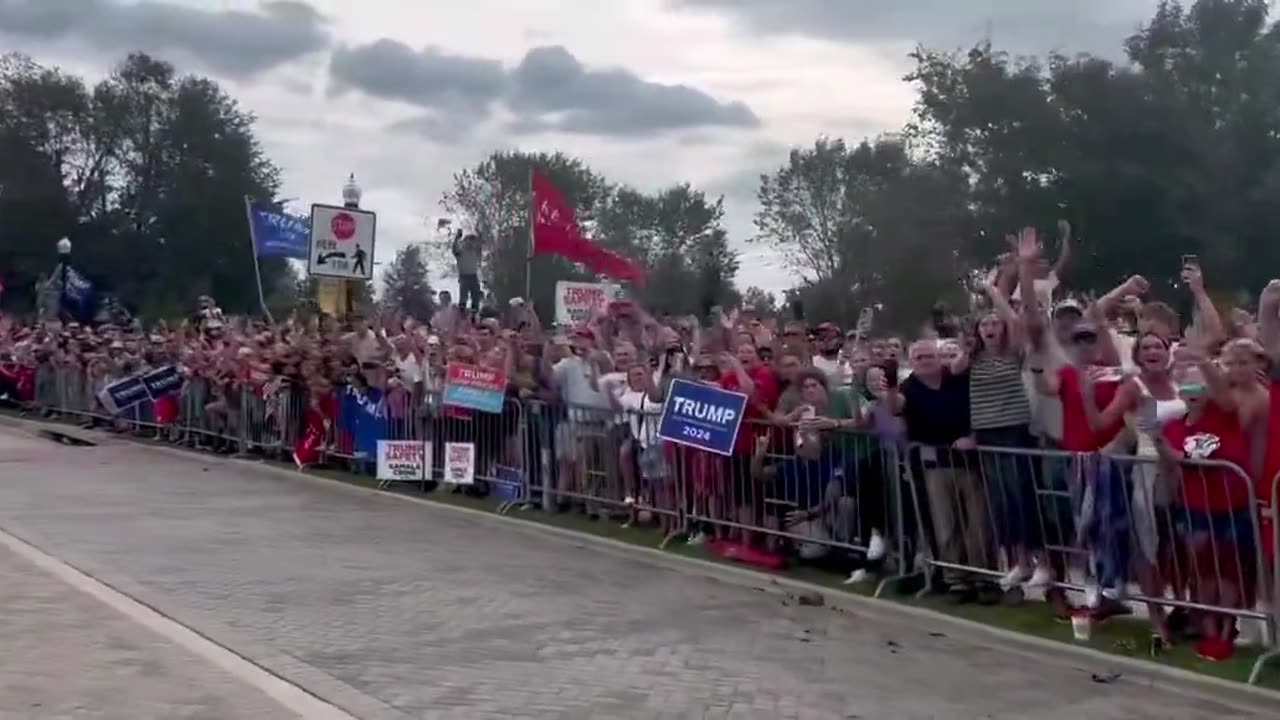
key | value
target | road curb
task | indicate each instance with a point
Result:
(1241, 696)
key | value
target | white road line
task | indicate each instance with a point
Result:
(289, 696)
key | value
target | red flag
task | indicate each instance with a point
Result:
(556, 232)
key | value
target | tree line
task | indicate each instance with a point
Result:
(1170, 152)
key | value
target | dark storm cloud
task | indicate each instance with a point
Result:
(429, 78)
(549, 90)
(550, 82)
(233, 42)
(1020, 26)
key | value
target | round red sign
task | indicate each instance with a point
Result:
(343, 226)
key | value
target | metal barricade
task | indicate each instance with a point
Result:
(604, 463)
(1193, 538)
(491, 440)
(1271, 535)
(832, 498)
(1119, 529)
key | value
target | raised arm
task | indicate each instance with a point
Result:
(1219, 389)
(1064, 248)
(1269, 320)
(1210, 320)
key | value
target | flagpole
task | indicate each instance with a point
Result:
(253, 249)
(528, 260)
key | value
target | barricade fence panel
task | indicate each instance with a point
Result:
(1193, 535)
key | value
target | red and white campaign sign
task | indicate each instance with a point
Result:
(341, 242)
(460, 463)
(402, 460)
(475, 387)
(576, 300)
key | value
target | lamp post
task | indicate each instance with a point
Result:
(64, 259)
(351, 194)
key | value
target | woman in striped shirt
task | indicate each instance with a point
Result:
(1000, 415)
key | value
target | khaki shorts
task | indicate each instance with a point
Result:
(576, 441)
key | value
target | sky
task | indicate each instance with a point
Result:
(404, 93)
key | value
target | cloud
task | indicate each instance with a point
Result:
(428, 78)
(1020, 26)
(551, 82)
(548, 91)
(233, 42)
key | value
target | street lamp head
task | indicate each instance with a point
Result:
(64, 246)
(351, 192)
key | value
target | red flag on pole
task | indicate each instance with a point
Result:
(556, 232)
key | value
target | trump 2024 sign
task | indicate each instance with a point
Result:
(702, 416)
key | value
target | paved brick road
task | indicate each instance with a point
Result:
(64, 654)
(392, 610)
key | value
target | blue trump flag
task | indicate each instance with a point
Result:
(277, 234)
(363, 414)
(702, 416)
(79, 297)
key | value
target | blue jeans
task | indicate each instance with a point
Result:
(1009, 479)
(1105, 521)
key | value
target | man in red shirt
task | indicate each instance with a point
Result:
(1085, 374)
(744, 372)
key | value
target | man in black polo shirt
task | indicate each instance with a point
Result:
(934, 403)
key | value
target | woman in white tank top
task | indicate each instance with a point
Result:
(1147, 402)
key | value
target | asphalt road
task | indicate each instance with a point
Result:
(389, 609)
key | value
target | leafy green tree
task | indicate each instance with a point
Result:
(761, 301)
(1173, 154)
(405, 286)
(866, 226)
(493, 198)
(676, 234)
(146, 173)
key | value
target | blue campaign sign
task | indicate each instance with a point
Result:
(702, 416)
(124, 394)
(162, 381)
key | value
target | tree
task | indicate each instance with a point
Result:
(405, 287)
(760, 301)
(1175, 154)
(867, 226)
(493, 198)
(676, 234)
(146, 173)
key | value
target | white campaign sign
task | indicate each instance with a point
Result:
(575, 300)
(402, 461)
(341, 242)
(460, 463)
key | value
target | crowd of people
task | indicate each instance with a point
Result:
(1033, 446)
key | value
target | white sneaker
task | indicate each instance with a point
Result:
(1015, 577)
(1092, 596)
(1041, 578)
(876, 547)
(697, 538)
(1252, 631)
(628, 500)
(858, 577)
